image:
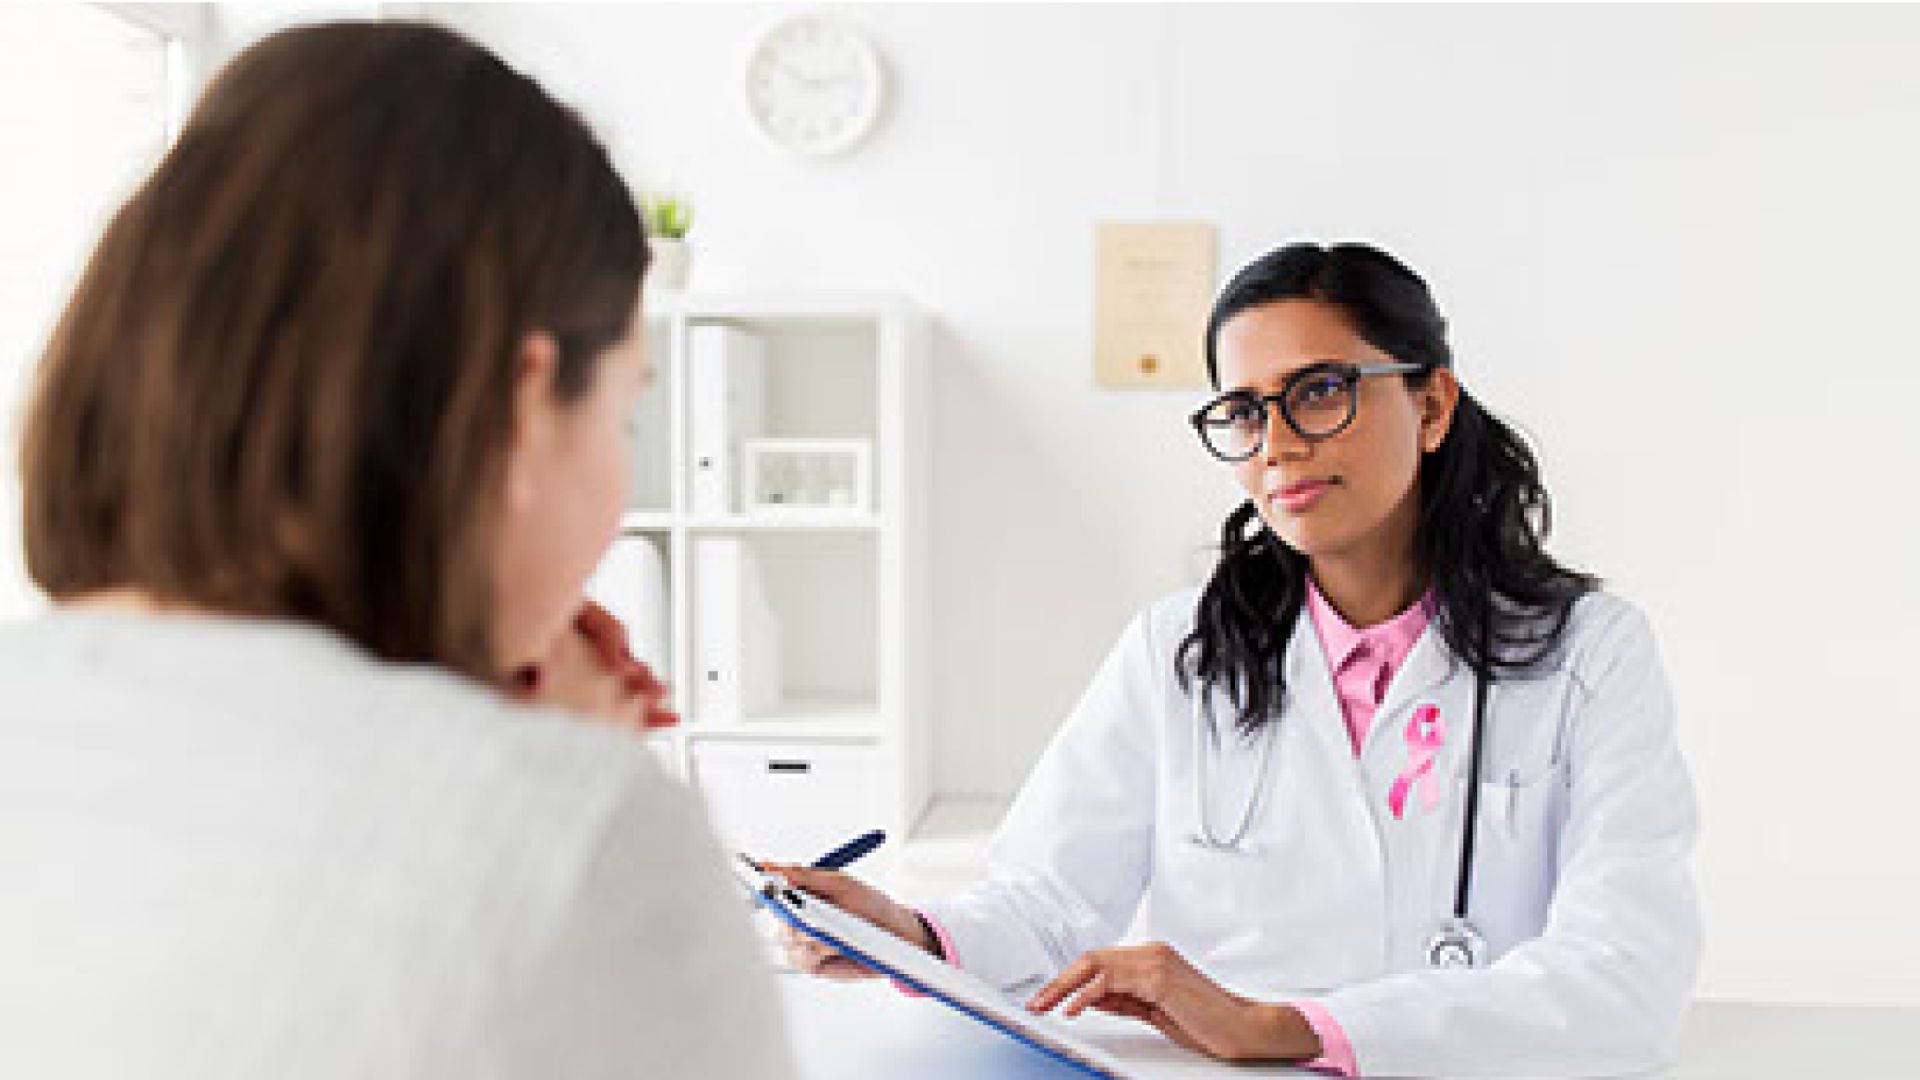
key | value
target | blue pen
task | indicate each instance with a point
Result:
(851, 850)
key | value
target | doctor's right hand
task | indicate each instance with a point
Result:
(856, 897)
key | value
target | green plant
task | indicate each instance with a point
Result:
(667, 216)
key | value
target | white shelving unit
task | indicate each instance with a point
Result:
(838, 742)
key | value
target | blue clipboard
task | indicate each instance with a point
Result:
(787, 904)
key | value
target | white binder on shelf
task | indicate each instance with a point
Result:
(736, 638)
(726, 403)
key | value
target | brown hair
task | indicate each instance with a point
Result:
(284, 385)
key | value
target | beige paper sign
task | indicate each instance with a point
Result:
(1152, 288)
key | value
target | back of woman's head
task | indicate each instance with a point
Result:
(1502, 602)
(284, 385)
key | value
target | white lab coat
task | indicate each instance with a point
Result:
(1580, 882)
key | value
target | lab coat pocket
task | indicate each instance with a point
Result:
(1517, 860)
(1525, 757)
(1520, 802)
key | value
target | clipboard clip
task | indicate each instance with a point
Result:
(765, 885)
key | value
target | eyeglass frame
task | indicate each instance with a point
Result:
(1349, 372)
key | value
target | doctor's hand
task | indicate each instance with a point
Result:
(1155, 984)
(851, 895)
(590, 671)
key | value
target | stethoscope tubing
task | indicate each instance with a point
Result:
(1469, 832)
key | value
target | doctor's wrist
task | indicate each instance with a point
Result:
(1285, 1033)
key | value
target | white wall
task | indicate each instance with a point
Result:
(1677, 244)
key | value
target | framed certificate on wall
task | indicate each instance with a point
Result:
(1153, 287)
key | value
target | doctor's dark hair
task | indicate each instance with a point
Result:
(284, 386)
(1502, 603)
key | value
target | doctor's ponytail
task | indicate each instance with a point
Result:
(1501, 602)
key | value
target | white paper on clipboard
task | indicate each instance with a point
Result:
(897, 959)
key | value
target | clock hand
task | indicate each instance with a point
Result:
(792, 73)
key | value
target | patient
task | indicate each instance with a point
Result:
(295, 778)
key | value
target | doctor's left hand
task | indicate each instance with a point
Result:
(1156, 985)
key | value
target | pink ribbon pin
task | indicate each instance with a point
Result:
(1426, 734)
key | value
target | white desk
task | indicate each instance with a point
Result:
(868, 1031)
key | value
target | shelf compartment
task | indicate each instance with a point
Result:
(763, 379)
(781, 618)
(633, 581)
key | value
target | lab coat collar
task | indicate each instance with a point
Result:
(1339, 638)
(1314, 704)
(1310, 688)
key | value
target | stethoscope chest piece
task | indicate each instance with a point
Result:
(1456, 945)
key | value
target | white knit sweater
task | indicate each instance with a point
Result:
(243, 849)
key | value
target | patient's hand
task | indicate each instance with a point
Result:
(856, 897)
(589, 671)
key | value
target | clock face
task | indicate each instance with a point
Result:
(813, 85)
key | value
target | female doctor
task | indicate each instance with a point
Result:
(1395, 793)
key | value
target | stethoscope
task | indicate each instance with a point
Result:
(1456, 944)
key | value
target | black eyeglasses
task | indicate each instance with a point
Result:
(1317, 402)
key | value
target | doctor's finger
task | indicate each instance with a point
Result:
(844, 969)
(843, 891)
(1095, 990)
(826, 884)
(804, 954)
(1134, 974)
(1071, 978)
(828, 964)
